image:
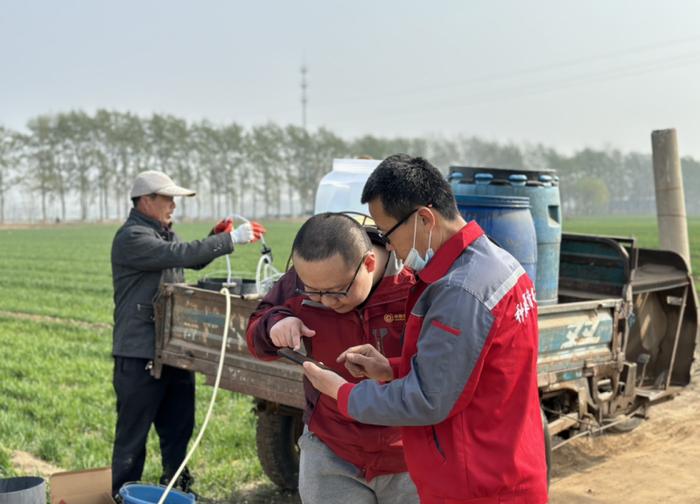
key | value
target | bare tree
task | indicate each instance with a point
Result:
(264, 154)
(41, 162)
(77, 156)
(9, 152)
(325, 146)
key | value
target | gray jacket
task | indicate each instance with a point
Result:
(144, 254)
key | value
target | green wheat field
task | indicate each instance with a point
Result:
(56, 396)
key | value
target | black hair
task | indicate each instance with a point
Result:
(135, 201)
(327, 234)
(403, 183)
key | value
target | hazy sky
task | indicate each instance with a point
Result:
(567, 74)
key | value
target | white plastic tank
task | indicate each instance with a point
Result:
(341, 189)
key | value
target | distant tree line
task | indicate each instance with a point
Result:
(86, 163)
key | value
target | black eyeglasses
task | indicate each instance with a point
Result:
(395, 226)
(335, 294)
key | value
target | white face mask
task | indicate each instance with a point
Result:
(413, 259)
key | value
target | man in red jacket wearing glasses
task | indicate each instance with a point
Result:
(345, 289)
(465, 387)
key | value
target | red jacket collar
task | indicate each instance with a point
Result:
(449, 252)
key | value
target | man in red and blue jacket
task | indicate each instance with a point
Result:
(465, 387)
(345, 289)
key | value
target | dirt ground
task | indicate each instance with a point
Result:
(26, 463)
(659, 462)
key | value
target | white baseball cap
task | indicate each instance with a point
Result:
(155, 182)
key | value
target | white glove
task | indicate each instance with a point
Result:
(242, 234)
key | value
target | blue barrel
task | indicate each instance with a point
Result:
(508, 221)
(542, 189)
(139, 493)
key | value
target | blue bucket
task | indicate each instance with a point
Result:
(508, 221)
(139, 493)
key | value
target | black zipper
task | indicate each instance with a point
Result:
(437, 442)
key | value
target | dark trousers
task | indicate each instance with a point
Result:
(168, 403)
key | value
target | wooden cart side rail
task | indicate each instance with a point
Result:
(272, 381)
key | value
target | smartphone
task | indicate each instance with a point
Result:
(299, 358)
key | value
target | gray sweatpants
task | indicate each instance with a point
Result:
(325, 478)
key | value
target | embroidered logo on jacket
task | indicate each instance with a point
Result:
(525, 306)
(394, 317)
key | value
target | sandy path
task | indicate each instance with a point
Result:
(26, 463)
(657, 462)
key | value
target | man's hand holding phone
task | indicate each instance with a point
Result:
(323, 379)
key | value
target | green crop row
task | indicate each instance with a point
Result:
(65, 271)
(58, 404)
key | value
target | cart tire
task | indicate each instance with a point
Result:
(627, 426)
(547, 445)
(637, 414)
(276, 439)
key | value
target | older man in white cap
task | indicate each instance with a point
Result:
(146, 252)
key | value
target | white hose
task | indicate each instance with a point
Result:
(270, 274)
(265, 275)
(224, 339)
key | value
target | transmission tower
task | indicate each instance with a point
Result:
(304, 100)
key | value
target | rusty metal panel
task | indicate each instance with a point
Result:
(189, 327)
(575, 337)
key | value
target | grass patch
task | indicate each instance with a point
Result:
(56, 379)
(6, 470)
(66, 271)
(58, 404)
